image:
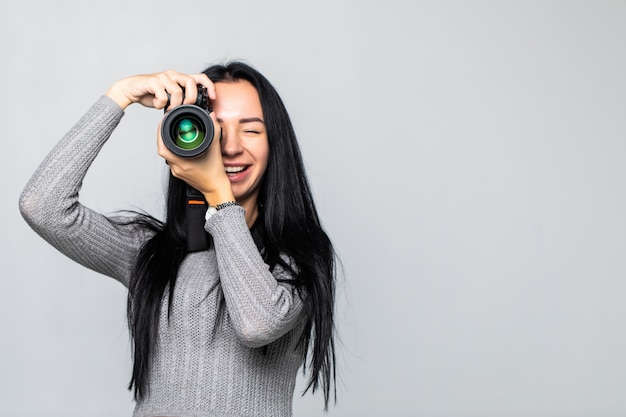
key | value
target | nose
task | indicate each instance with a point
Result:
(231, 142)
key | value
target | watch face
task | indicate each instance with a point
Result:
(209, 212)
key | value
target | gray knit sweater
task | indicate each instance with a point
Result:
(249, 367)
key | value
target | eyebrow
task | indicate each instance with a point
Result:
(247, 120)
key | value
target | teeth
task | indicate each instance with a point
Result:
(233, 170)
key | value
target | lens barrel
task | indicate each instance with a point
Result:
(187, 130)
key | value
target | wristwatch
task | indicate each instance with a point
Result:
(210, 211)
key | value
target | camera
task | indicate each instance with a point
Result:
(187, 130)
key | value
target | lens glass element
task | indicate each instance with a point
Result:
(188, 133)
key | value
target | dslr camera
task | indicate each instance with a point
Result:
(187, 130)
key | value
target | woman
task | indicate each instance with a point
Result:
(221, 331)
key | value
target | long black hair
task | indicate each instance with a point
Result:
(291, 229)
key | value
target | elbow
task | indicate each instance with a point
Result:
(253, 343)
(41, 213)
(259, 327)
(28, 208)
(259, 334)
(256, 336)
(43, 210)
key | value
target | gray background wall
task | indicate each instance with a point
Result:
(467, 159)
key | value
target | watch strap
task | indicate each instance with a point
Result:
(226, 204)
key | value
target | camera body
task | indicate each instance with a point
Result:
(187, 130)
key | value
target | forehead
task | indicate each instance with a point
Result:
(236, 99)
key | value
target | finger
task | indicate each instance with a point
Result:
(188, 85)
(161, 96)
(204, 80)
(161, 148)
(173, 89)
(215, 146)
(217, 128)
(191, 90)
(171, 159)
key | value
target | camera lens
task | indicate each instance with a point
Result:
(187, 130)
(189, 134)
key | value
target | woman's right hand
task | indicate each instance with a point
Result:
(155, 90)
(204, 172)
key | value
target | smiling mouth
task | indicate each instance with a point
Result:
(235, 170)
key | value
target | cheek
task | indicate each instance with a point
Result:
(262, 153)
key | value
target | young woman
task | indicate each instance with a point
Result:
(221, 331)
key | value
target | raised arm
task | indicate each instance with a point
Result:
(50, 201)
(261, 308)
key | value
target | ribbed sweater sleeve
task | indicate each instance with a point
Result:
(261, 308)
(50, 201)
